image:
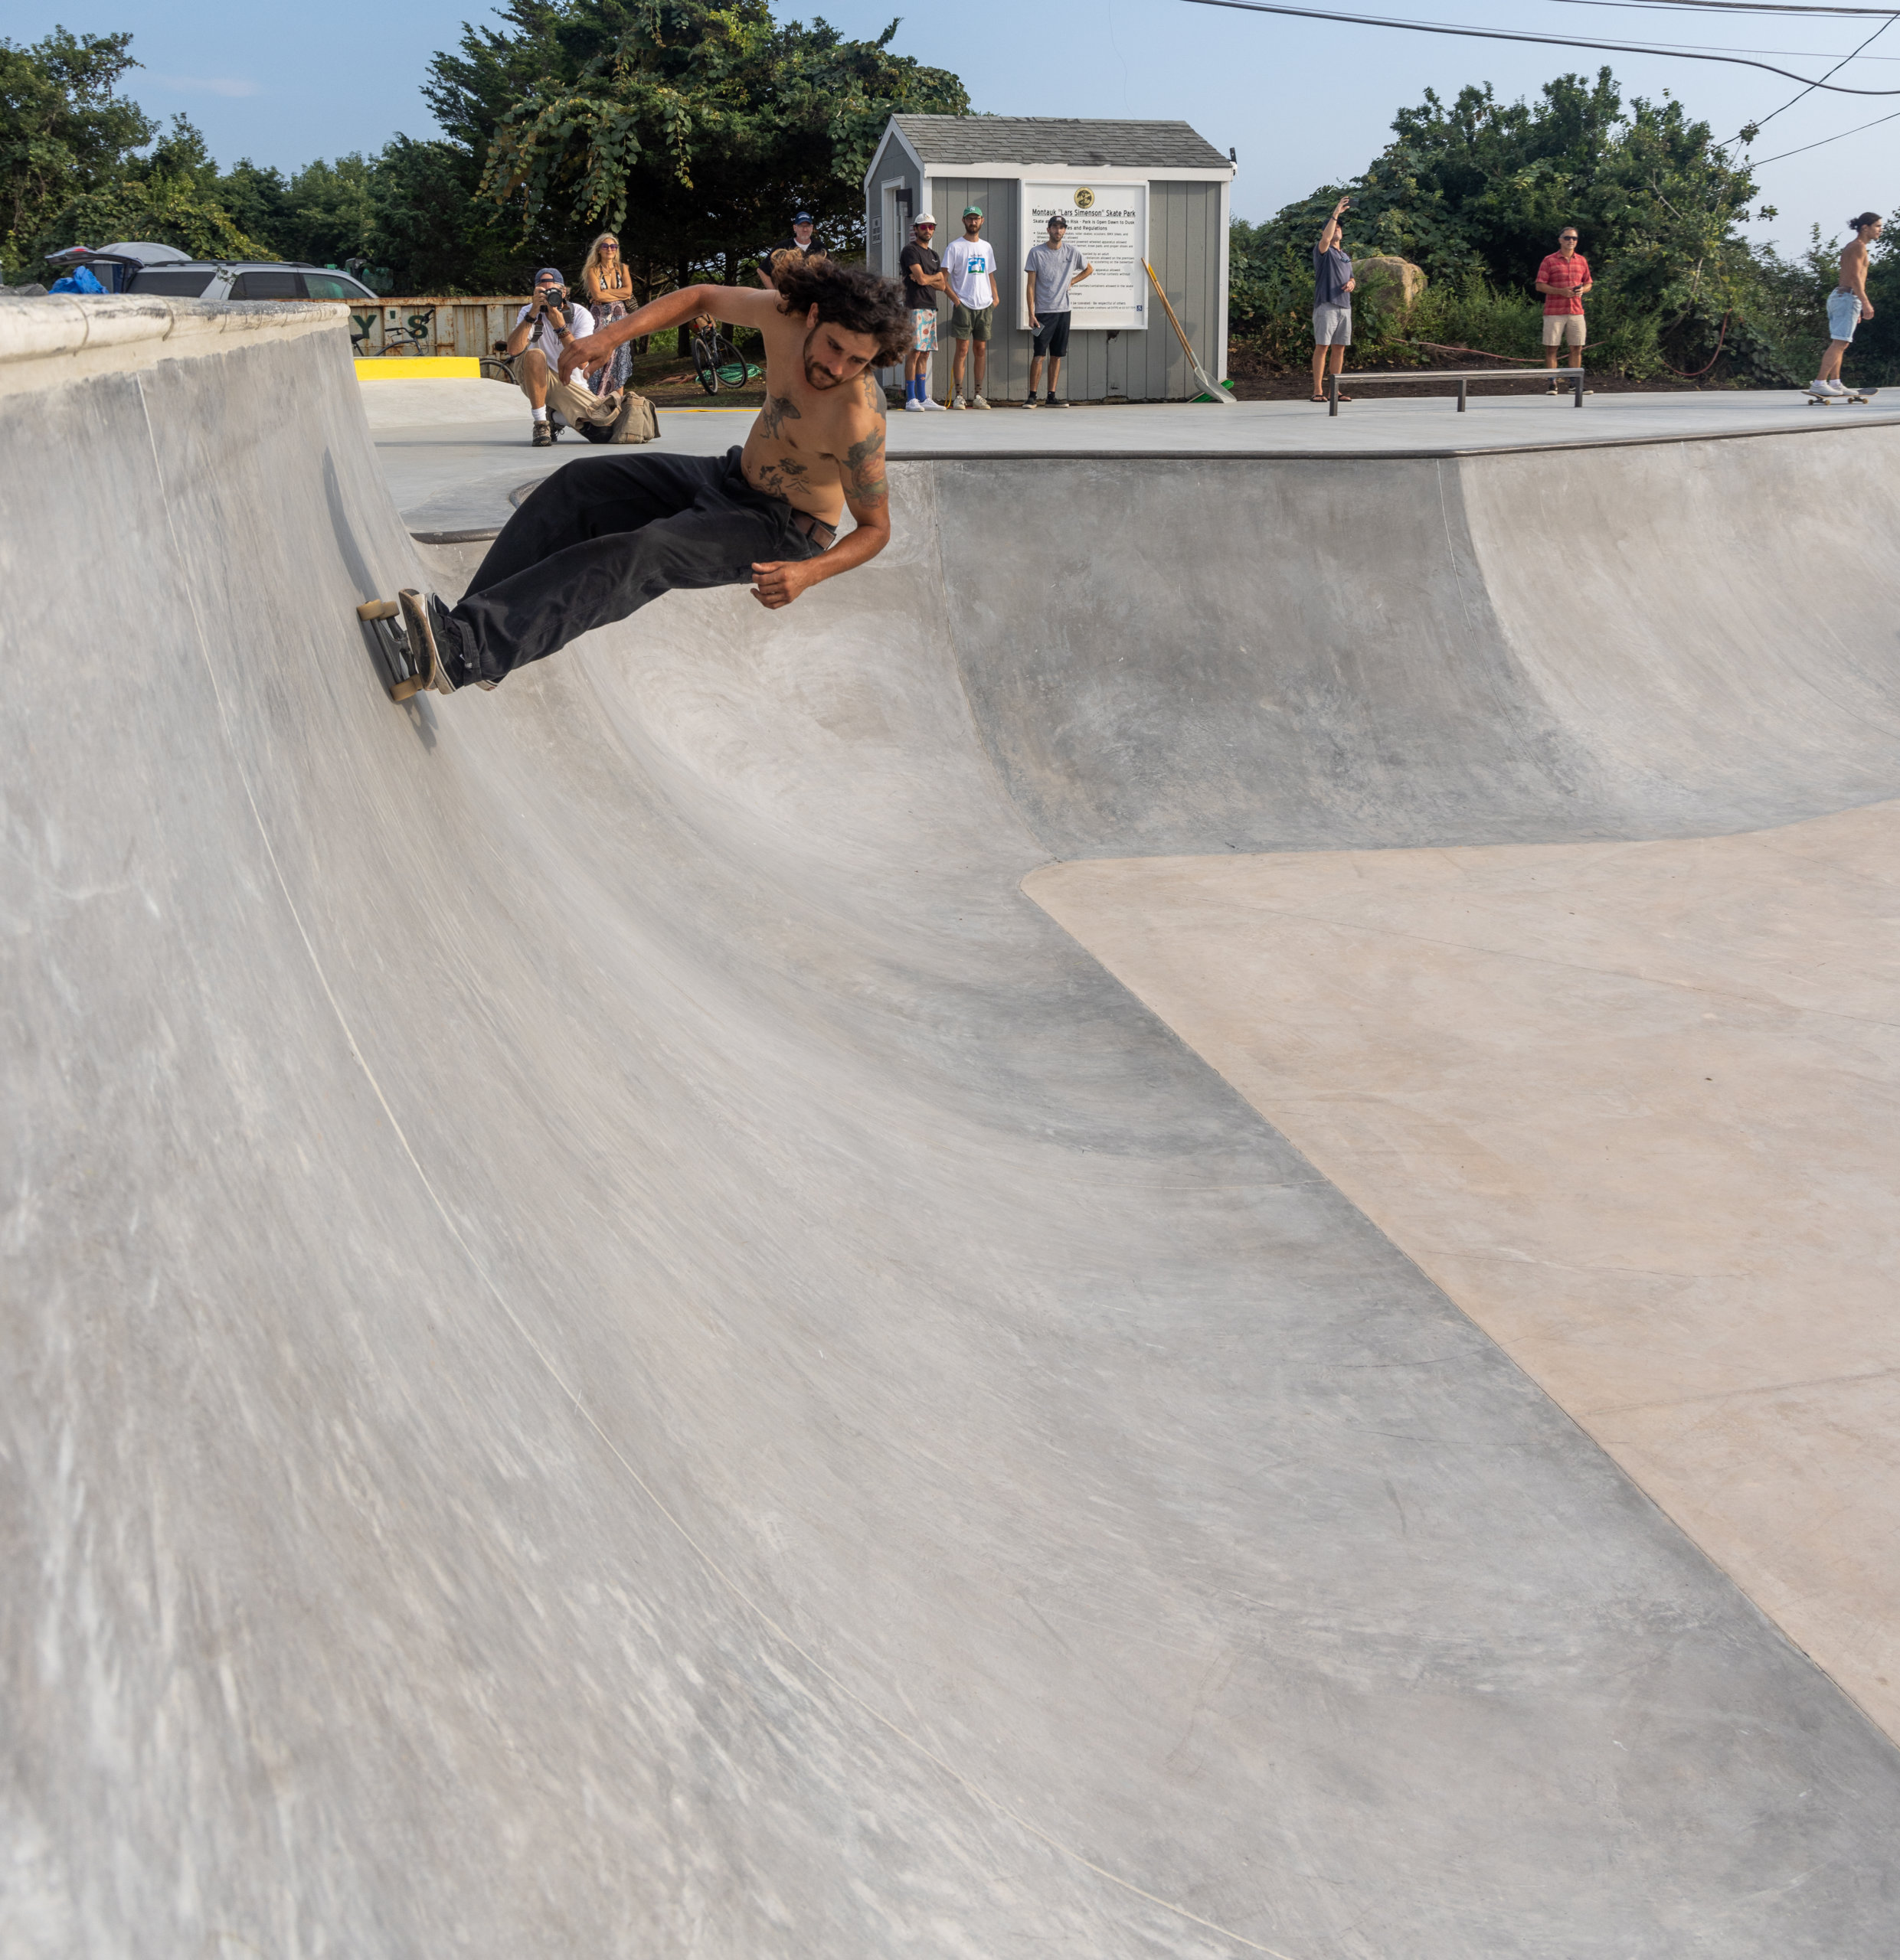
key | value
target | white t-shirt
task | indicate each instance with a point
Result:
(580, 322)
(971, 264)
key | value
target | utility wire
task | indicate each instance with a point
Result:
(1734, 7)
(1751, 130)
(1566, 40)
(1761, 163)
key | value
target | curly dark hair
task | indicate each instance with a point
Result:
(848, 296)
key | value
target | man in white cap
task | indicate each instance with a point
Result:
(551, 320)
(924, 279)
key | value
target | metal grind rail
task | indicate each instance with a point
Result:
(1463, 376)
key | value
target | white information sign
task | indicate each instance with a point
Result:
(1108, 225)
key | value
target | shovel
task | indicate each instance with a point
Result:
(1220, 394)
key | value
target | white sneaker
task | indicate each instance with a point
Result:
(932, 407)
(914, 406)
(1821, 388)
(957, 401)
(977, 401)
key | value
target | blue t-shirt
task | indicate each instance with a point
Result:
(1331, 270)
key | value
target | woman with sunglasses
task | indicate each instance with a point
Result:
(609, 287)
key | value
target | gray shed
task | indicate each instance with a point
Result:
(1128, 189)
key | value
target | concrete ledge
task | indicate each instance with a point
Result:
(63, 337)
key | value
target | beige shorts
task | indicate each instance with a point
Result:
(1560, 329)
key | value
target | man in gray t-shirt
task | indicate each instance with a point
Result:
(1049, 272)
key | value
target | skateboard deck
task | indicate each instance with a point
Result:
(1852, 394)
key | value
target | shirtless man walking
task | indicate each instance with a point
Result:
(1847, 304)
(596, 541)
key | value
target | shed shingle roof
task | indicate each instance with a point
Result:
(954, 139)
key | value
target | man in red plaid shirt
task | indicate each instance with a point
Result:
(1563, 278)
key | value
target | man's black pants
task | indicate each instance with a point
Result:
(603, 536)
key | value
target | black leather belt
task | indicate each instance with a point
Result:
(824, 535)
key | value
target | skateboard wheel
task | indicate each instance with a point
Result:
(377, 609)
(403, 690)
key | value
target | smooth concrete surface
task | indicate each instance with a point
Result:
(452, 449)
(1636, 1108)
(614, 1346)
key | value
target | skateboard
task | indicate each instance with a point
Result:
(405, 676)
(1852, 394)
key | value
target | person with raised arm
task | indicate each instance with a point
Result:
(595, 542)
(1332, 288)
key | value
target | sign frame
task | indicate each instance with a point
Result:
(1108, 221)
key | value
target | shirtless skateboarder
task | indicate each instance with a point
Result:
(1847, 304)
(600, 538)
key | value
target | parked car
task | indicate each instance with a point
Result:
(162, 269)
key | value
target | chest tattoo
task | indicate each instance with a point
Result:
(778, 410)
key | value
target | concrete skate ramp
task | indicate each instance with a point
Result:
(614, 1346)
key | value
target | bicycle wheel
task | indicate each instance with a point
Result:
(706, 361)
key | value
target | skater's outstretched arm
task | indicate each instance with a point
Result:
(734, 304)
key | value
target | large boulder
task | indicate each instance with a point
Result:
(1387, 281)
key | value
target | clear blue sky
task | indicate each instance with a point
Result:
(1303, 101)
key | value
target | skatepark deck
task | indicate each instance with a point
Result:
(619, 1344)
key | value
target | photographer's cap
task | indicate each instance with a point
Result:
(548, 272)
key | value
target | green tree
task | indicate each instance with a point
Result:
(692, 129)
(171, 196)
(64, 130)
(1476, 191)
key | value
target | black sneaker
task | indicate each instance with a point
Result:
(1049, 401)
(544, 437)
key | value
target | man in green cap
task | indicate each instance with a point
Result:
(970, 266)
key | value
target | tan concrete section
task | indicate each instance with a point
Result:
(1635, 1107)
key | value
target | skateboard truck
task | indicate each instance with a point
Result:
(383, 618)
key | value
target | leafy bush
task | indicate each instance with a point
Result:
(1476, 192)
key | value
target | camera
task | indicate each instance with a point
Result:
(551, 295)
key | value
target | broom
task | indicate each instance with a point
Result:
(1220, 394)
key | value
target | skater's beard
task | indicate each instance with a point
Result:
(818, 376)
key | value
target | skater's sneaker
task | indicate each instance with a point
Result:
(957, 401)
(977, 401)
(544, 436)
(914, 406)
(931, 407)
(1821, 388)
(420, 622)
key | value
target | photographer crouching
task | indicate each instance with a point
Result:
(547, 324)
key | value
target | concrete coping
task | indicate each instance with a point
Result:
(66, 336)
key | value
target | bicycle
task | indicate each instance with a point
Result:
(717, 363)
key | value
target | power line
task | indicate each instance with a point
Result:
(1734, 7)
(1761, 163)
(1562, 41)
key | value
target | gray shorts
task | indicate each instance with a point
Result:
(1843, 315)
(1332, 325)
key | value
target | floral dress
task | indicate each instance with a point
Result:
(602, 298)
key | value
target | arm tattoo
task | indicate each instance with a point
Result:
(864, 468)
(778, 410)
